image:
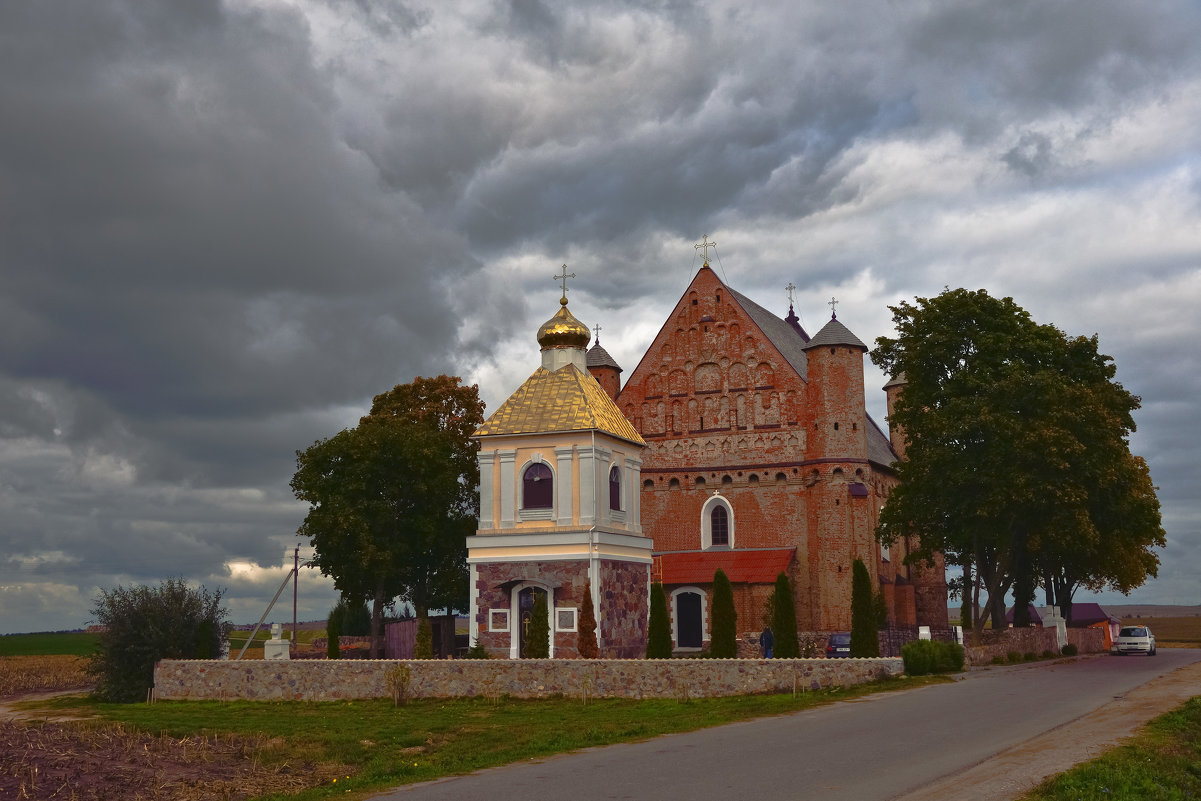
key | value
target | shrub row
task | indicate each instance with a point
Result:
(932, 656)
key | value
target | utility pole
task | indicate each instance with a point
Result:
(295, 581)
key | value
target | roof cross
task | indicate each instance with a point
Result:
(597, 328)
(790, 289)
(704, 246)
(833, 311)
(563, 279)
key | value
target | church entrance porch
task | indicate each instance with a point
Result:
(525, 601)
(689, 618)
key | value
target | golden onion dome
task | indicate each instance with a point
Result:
(563, 331)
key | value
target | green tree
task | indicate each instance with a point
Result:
(537, 637)
(587, 628)
(145, 624)
(423, 646)
(723, 642)
(864, 618)
(658, 633)
(1017, 463)
(392, 500)
(783, 619)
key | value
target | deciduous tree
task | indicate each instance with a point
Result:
(392, 500)
(1017, 461)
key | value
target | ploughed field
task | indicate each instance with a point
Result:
(1178, 632)
(87, 760)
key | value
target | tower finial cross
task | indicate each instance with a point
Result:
(562, 278)
(790, 289)
(833, 310)
(597, 328)
(704, 247)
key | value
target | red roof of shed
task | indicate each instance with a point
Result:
(747, 566)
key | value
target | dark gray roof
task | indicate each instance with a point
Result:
(599, 357)
(899, 381)
(879, 447)
(785, 338)
(834, 333)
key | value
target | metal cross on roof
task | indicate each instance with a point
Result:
(790, 289)
(563, 279)
(833, 311)
(704, 246)
(597, 328)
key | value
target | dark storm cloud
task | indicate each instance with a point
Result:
(224, 226)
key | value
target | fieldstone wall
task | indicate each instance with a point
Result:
(1031, 640)
(332, 680)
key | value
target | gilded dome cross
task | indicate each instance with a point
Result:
(563, 279)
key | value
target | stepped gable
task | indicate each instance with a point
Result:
(786, 339)
(564, 400)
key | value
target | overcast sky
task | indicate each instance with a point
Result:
(225, 226)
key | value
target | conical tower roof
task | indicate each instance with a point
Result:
(834, 333)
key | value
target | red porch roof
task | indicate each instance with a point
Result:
(757, 566)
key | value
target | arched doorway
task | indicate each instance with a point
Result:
(689, 618)
(526, 598)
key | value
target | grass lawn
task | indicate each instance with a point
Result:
(1163, 762)
(381, 746)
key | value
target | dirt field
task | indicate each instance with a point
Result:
(63, 759)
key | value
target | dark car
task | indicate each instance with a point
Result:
(839, 644)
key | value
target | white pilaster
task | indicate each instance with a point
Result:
(588, 483)
(487, 459)
(508, 491)
(563, 482)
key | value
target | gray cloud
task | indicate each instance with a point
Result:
(225, 226)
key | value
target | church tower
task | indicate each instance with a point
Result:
(559, 508)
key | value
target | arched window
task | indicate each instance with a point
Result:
(537, 487)
(717, 523)
(615, 488)
(719, 526)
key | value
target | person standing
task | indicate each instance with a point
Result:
(766, 641)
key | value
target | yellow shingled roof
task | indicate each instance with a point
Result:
(565, 400)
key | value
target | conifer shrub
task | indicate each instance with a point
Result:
(658, 635)
(864, 642)
(537, 640)
(783, 619)
(723, 643)
(145, 624)
(1069, 650)
(476, 651)
(587, 626)
(333, 630)
(423, 648)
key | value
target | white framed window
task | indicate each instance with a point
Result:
(498, 620)
(566, 618)
(717, 523)
(536, 490)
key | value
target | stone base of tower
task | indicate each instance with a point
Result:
(505, 585)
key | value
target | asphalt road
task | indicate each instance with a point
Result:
(873, 749)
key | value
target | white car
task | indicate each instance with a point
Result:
(1135, 640)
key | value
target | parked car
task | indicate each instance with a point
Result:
(839, 644)
(1135, 640)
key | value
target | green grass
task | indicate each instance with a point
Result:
(48, 644)
(383, 746)
(1162, 763)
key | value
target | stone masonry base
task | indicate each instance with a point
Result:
(305, 680)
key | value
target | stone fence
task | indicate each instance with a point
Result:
(330, 680)
(998, 644)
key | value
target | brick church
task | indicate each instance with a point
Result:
(738, 442)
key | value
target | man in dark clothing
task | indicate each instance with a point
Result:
(766, 641)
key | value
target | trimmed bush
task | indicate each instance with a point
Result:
(586, 639)
(537, 640)
(864, 641)
(783, 619)
(476, 651)
(145, 624)
(932, 656)
(1069, 650)
(658, 635)
(1014, 657)
(723, 642)
(423, 648)
(333, 630)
